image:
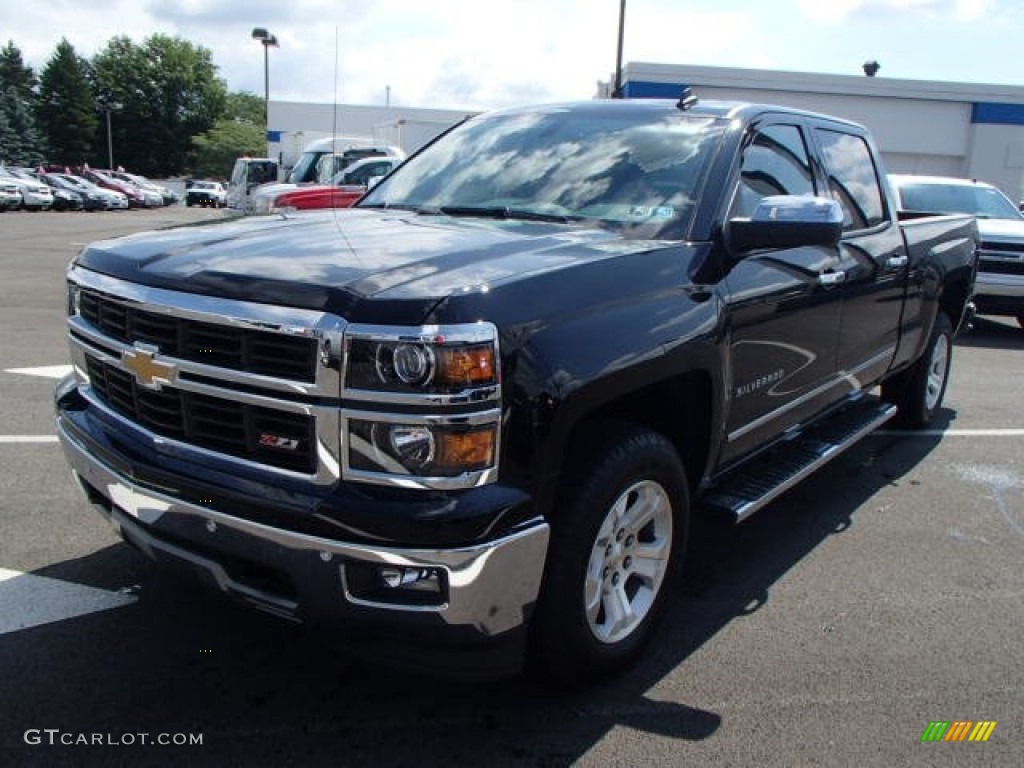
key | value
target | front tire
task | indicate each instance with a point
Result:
(918, 392)
(617, 546)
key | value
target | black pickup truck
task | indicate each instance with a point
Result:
(475, 412)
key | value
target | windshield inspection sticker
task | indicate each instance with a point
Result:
(647, 212)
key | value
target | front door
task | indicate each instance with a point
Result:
(784, 306)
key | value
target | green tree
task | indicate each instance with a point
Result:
(13, 72)
(242, 105)
(22, 145)
(217, 148)
(120, 85)
(161, 94)
(9, 141)
(66, 110)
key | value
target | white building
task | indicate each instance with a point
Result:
(293, 125)
(949, 129)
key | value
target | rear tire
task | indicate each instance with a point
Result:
(617, 547)
(918, 392)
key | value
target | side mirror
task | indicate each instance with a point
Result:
(788, 221)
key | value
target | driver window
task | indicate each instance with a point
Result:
(774, 163)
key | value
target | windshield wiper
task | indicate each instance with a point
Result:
(493, 212)
(392, 207)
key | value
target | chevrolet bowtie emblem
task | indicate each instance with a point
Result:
(148, 372)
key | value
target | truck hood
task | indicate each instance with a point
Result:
(1001, 229)
(274, 189)
(335, 260)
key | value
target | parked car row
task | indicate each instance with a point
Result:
(84, 188)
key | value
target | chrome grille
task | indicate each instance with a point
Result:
(239, 349)
(269, 436)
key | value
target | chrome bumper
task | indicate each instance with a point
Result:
(490, 587)
(992, 284)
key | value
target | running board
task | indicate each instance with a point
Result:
(768, 476)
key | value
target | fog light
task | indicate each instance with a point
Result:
(419, 579)
(397, 586)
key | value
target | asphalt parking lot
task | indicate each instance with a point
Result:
(830, 629)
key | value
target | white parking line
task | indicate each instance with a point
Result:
(24, 439)
(27, 600)
(950, 432)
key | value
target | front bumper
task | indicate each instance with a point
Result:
(489, 588)
(31, 199)
(205, 200)
(999, 294)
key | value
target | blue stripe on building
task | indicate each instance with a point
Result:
(274, 136)
(984, 112)
(647, 90)
(994, 113)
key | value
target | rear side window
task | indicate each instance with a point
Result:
(774, 163)
(852, 179)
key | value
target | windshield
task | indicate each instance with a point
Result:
(636, 171)
(305, 168)
(983, 202)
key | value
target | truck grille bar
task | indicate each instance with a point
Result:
(239, 349)
(276, 438)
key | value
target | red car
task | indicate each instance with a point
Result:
(319, 197)
(136, 198)
(346, 187)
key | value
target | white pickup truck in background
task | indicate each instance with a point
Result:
(999, 286)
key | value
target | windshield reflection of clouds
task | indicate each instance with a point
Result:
(958, 198)
(636, 172)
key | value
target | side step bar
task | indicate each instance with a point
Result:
(751, 487)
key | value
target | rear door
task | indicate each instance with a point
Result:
(873, 261)
(784, 304)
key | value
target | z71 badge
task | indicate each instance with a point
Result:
(281, 443)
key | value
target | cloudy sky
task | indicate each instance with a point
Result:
(477, 54)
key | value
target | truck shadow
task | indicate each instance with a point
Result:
(265, 692)
(992, 333)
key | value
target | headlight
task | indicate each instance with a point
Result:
(442, 452)
(74, 299)
(445, 361)
(401, 379)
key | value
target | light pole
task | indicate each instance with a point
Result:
(265, 37)
(617, 88)
(108, 107)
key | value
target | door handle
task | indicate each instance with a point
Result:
(897, 262)
(829, 279)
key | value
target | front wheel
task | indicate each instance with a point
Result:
(617, 545)
(918, 392)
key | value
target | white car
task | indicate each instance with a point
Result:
(206, 193)
(10, 195)
(34, 194)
